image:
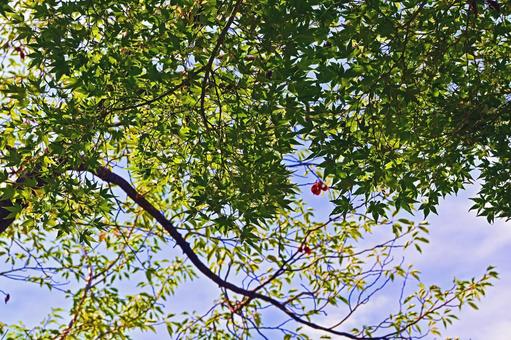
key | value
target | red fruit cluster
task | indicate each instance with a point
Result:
(305, 248)
(317, 187)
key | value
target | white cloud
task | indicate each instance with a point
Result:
(463, 245)
(491, 321)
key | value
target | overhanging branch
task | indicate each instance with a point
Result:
(108, 176)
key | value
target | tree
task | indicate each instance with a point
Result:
(131, 127)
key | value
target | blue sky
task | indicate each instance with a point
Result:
(461, 245)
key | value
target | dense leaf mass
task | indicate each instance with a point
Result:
(128, 127)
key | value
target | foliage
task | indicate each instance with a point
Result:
(131, 127)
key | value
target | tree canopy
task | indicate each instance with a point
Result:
(132, 128)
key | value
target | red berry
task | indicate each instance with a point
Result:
(316, 188)
(305, 248)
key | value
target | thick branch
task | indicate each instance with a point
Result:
(110, 177)
(4, 212)
(6, 204)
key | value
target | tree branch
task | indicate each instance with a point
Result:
(78, 309)
(110, 177)
(170, 91)
(5, 221)
(209, 65)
